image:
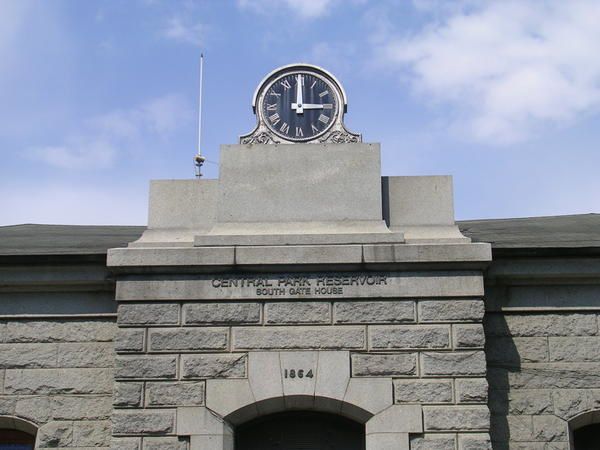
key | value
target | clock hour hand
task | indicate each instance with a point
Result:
(312, 106)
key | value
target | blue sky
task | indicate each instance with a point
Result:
(99, 97)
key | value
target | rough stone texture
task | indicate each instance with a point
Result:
(130, 340)
(368, 365)
(128, 394)
(516, 350)
(165, 443)
(453, 364)
(214, 366)
(468, 336)
(142, 422)
(433, 442)
(541, 325)
(574, 349)
(374, 312)
(57, 381)
(317, 337)
(297, 312)
(423, 391)
(530, 402)
(91, 434)
(451, 310)
(549, 428)
(175, 394)
(456, 418)
(150, 314)
(471, 390)
(146, 367)
(221, 313)
(28, 356)
(409, 337)
(59, 331)
(86, 355)
(190, 339)
(474, 442)
(56, 434)
(125, 443)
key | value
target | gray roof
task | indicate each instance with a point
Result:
(556, 232)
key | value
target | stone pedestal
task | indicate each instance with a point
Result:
(300, 280)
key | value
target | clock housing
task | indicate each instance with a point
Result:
(299, 103)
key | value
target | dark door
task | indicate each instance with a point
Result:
(300, 431)
(587, 438)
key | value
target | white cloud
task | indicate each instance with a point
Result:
(182, 31)
(104, 137)
(303, 9)
(506, 67)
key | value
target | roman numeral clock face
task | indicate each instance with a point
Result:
(299, 106)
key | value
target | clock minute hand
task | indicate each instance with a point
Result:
(312, 106)
(299, 106)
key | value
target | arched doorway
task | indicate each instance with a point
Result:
(300, 430)
(15, 440)
(587, 437)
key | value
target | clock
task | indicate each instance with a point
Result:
(299, 103)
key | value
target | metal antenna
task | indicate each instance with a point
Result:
(199, 159)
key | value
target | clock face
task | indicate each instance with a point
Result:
(299, 106)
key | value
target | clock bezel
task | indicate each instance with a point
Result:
(278, 75)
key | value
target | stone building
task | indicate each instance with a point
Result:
(302, 301)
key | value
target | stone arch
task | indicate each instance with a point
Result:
(582, 420)
(19, 424)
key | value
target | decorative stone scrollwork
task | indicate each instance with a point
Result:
(259, 138)
(341, 137)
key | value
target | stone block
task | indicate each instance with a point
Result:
(468, 336)
(211, 442)
(333, 375)
(397, 364)
(143, 422)
(423, 391)
(516, 350)
(387, 441)
(541, 325)
(308, 254)
(532, 402)
(555, 375)
(126, 443)
(38, 408)
(78, 407)
(28, 356)
(188, 339)
(393, 311)
(175, 393)
(60, 331)
(370, 394)
(264, 375)
(471, 390)
(214, 366)
(148, 314)
(146, 367)
(574, 349)
(382, 337)
(297, 312)
(549, 428)
(221, 313)
(570, 402)
(225, 397)
(453, 364)
(456, 418)
(91, 433)
(200, 421)
(87, 354)
(166, 443)
(128, 394)
(474, 442)
(306, 337)
(433, 442)
(55, 434)
(451, 310)
(520, 428)
(7, 406)
(58, 381)
(130, 340)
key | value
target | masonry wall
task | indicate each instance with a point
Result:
(431, 348)
(58, 374)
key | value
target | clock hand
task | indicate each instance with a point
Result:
(312, 106)
(298, 105)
